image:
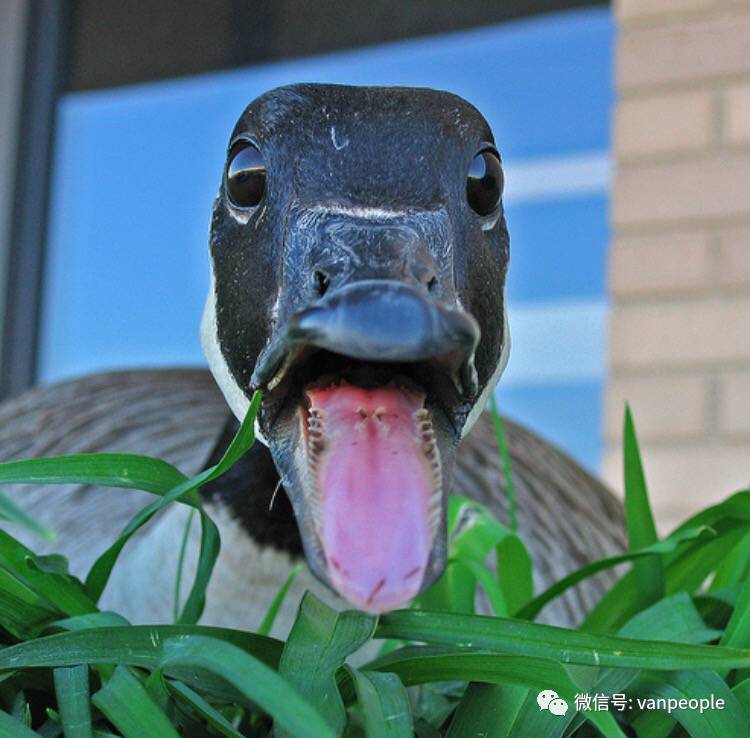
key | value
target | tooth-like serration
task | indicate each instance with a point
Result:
(432, 454)
(315, 444)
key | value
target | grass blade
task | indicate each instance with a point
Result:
(98, 575)
(210, 538)
(488, 710)
(489, 584)
(58, 590)
(436, 702)
(515, 573)
(742, 692)
(23, 612)
(668, 545)
(134, 645)
(689, 567)
(128, 471)
(273, 610)
(530, 720)
(193, 654)
(186, 490)
(734, 508)
(478, 536)
(422, 664)
(545, 641)
(674, 618)
(686, 569)
(734, 568)
(12, 728)
(204, 708)
(207, 556)
(105, 619)
(737, 632)
(129, 707)
(639, 520)
(473, 535)
(384, 703)
(729, 722)
(319, 642)
(72, 691)
(180, 566)
(291, 711)
(14, 514)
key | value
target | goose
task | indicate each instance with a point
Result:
(358, 256)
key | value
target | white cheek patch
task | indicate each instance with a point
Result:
(235, 397)
(239, 402)
(499, 369)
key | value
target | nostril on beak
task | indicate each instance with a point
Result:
(424, 272)
(428, 279)
(321, 282)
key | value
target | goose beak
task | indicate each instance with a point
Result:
(360, 390)
(381, 321)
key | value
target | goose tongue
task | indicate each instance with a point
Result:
(376, 468)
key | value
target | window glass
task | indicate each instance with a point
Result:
(136, 169)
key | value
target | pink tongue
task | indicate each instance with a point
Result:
(375, 483)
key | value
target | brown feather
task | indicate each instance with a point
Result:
(566, 517)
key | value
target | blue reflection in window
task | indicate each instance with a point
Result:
(136, 170)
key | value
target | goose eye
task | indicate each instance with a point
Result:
(246, 175)
(484, 183)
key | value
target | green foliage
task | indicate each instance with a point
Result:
(675, 626)
(648, 571)
(72, 692)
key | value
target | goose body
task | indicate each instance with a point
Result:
(566, 517)
(358, 259)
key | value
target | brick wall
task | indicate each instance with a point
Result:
(680, 259)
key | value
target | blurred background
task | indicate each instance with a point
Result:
(625, 133)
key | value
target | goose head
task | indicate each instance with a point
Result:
(358, 258)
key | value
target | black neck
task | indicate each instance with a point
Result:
(248, 488)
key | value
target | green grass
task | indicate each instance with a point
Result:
(675, 625)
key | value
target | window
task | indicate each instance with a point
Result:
(136, 168)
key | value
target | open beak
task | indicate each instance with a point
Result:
(377, 320)
(365, 395)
